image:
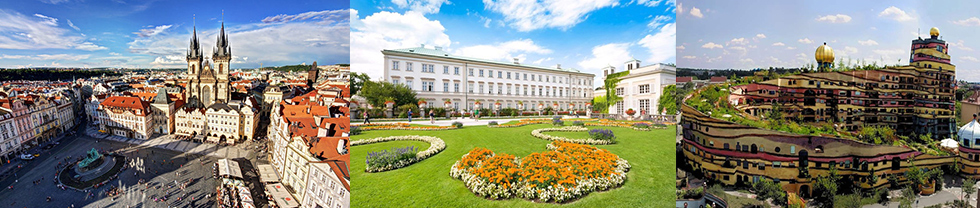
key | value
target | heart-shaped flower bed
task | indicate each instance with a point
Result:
(566, 172)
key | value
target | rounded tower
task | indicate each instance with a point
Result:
(824, 56)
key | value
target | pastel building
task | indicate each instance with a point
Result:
(438, 76)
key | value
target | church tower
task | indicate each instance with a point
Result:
(194, 56)
(221, 58)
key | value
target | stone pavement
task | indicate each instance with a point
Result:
(167, 142)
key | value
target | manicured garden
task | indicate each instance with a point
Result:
(428, 183)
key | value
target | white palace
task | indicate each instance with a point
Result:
(438, 76)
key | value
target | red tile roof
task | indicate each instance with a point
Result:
(134, 103)
(684, 79)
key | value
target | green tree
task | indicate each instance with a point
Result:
(599, 104)
(610, 85)
(848, 201)
(969, 187)
(769, 190)
(357, 81)
(668, 100)
(377, 93)
(908, 198)
(825, 188)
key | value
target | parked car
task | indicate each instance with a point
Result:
(26, 157)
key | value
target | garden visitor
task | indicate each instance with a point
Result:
(367, 118)
(409, 115)
(432, 118)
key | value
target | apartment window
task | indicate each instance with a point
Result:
(508, 75)
(525, 91)
(619, 91)
(645, 88)
(470, 87)
(517, 76)
(508, 89)
(547, 79)
(408, 66)
(471, 72)
(456, 70)
(481, 72)
(500, 74)
(455, 87)
(445, 87)
(394, 81)
(481, 88)
(525, 76)
(394, 65)
(409, 83)
(445, 69)
(500, 89)
(532, 77)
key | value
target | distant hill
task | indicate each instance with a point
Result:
(704, 74)
(48, 74)
(289, 68)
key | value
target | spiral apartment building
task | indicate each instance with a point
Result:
(910, 99)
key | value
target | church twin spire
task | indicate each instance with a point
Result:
(221, 48)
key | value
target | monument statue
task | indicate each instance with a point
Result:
(93, 155)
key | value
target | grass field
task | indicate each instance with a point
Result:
(428, 184)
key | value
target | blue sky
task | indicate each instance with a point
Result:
(726, 34)
(582, 34)
(150, 33)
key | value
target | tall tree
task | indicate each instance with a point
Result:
(357, 81)
(377, 93)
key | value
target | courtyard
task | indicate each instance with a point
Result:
(428, 183)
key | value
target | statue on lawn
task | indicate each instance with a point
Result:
(92, 156)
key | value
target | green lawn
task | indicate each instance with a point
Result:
(428, 184)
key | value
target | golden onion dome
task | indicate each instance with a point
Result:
(824, 54)
(934, 32)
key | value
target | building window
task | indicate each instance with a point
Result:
(470, 87)
(394, 65)
(525, 76)
(471, 72)
(455, 87)
(394, 81)
(500, 74)
(481, 72)
(445, 69)
(619, 91)
(408, 83)
(456, 70)
(645, 88)
(508, 75)
(408, 66)
(445, 87)
(645, 105)
(619, 107)
(481, 88)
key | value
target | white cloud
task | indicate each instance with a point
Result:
(690, 57)
(605, 55)
(18, 31)
(805, 40)
(847, 51)
(972, 21)
(89, 46)
(422, 6)
(747, 60)
(791, 48)
(658, 21)
(387, 30)
(281, 43)
(837, 18)
(760, 36)
(958, 45)
(895, 14)
(650, 3)
(532, 15)
(72, 25)
(737, 41)
(680, 9)
(325, 17)
(114, 53)
(169, 60)
(970, 58)
(680, 47)
(151, 30)
(868, 42)
(696, 12)
(54, 1)
(778, 44)
(539, 61)
(711, 45)
(662, 45)
(48, 20)
(62, 57)
(504, 51)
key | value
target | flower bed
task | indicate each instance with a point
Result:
(639, 126)
(401, 126)
(436, 145)
(539, 133)
(523, 122)
(567, 172)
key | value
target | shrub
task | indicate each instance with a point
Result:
(602, 134)
(386, 158)
(355, 130)
(492, 123)
(457, 124)
(642, 125)
(557, 121)
(578, 123)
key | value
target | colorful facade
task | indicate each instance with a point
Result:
(910, 99)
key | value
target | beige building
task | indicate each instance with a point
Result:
(126, 117)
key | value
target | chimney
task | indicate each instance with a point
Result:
(423, 45)
(516, 62)
(559, 66)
